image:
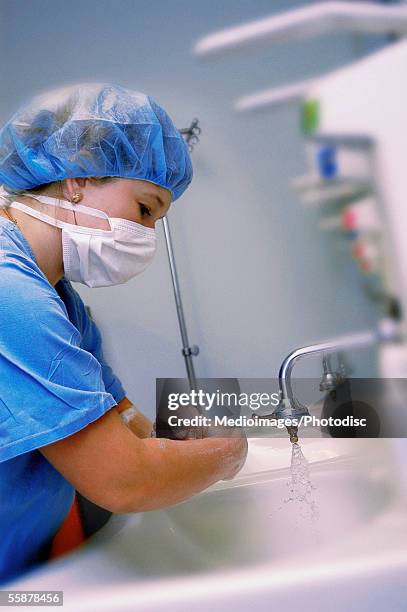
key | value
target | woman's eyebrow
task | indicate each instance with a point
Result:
(156, 197)
(159, 200)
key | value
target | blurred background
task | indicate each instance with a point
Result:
(258, 276)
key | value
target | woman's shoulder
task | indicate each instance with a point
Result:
(13, 246)
(20, 276)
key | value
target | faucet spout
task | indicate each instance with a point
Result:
(290, 408)
(293, 433)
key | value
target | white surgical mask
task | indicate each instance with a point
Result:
(97, 257)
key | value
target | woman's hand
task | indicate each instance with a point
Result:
(236, 453)
(181, 432)
(241, 456)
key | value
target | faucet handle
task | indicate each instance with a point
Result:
(328, 381)
(344, 368)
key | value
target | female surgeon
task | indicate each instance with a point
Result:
(86, 171)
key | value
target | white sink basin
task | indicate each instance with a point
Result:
(242, 533)
(252, 524)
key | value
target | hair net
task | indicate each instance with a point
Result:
(93, 130)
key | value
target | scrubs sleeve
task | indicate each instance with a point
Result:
(92, 342)
(50, 387)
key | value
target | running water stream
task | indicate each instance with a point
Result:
(299, 511)
(301, 489)
(302, 499)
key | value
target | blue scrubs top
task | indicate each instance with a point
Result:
(53, 382)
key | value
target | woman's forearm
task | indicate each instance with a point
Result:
(179, 469)
(118, 471)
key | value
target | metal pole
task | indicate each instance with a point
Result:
(187, 350)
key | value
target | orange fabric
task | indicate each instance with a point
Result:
(70, 534)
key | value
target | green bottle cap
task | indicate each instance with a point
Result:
(310, 114)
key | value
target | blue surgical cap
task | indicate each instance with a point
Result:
(93, 130)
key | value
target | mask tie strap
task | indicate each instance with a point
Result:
(62, 224)
(87, 210)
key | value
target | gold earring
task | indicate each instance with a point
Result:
(77, 197)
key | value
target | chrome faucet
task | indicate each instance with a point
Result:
(289, 408)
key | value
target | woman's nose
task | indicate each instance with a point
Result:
(148, 223)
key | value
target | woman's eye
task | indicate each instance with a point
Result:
(144, 210)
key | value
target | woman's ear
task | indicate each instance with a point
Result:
(74, 186)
